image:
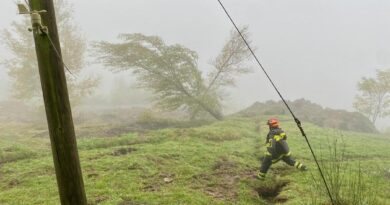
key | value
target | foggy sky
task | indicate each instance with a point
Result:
(316, 50)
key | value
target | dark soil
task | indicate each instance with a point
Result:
(271, 192)
(130, 202)
(223, 180)
(123, 151)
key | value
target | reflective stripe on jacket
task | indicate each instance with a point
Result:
(276, 144)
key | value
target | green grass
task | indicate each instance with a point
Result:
(211, 164)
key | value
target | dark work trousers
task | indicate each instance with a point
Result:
(267, 162)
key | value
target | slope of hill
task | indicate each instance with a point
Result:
(314, 113)
(212, 164)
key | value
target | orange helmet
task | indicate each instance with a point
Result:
(273, 122)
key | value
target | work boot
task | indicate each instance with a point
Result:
(261, 175)
(304, 168)
(300, 166)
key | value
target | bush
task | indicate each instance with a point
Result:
(348, 184)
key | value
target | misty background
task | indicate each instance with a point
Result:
(317, 50)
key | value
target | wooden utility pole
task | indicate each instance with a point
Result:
(58, 110)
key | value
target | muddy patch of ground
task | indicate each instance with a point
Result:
(270, 190)
(128, 201)
(156, 181)
(13, 183)
(135, 166)
(223, 180)
(281, 170)
(123, 151)
(93, 175)
(98, 200)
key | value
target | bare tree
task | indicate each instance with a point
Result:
(229, 64)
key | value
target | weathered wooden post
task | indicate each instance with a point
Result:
(56, 98)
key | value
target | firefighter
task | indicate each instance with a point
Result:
(277, 149)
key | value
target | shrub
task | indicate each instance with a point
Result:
(348, 183)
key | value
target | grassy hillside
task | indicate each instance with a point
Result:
(314, 113)
(212, 164)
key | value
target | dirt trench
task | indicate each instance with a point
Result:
(270, 192)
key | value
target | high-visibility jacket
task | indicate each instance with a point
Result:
(276, 144)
